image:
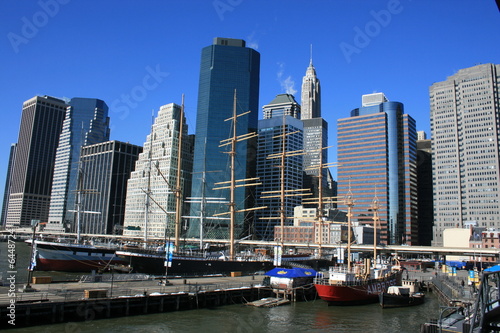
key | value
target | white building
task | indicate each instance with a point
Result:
(156, 173)
(465, 126)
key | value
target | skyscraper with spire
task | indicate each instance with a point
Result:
(311, 93)
(315, 133)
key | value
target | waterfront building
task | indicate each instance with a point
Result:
(86, 123)
(227, 67)
(377, 159)
(281, 134)
(105, 170)
(151, 204)
(33, 166)
(490, 239)
(6, 193)
(465, 136)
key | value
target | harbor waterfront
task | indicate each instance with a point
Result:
(314, 315)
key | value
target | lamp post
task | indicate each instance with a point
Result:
(27, 287)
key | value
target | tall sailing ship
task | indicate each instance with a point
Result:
(164, 260)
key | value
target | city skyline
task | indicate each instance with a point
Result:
(62, 48)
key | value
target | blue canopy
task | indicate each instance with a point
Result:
(493, 269)
(295, 272)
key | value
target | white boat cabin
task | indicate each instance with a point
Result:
(398, 290)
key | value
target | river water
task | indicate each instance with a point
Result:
(313, 316)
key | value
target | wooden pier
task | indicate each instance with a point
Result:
(91, 301)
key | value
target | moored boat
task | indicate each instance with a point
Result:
(399, 296)
(155, 261)
(344, 286)
(72, 257)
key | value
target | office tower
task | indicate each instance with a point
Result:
(377, 159)
(227, 67)
(282, 105)
(106, 168)
(6, 192)
(311, 94)
(281, 134)
(421, 135)
(152, 184)
(315, 135)
(86, 123)
(424, 191)
(31, 177)
(465, 145)
(315, 140)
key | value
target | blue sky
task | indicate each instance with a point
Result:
(139, 55)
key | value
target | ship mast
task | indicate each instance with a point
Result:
(148, 189)
(232, 182)
(232, 204)
(178, 189)
(79, 211)
(282, 193)
(320, 200)
(350, 204)
(375, 207)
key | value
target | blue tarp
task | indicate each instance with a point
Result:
(493, 269)
(295, 272)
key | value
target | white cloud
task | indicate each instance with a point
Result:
(287, 84)
(251, 42)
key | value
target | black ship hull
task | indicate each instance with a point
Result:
(395, 301)
(184, 266)
(154, 264)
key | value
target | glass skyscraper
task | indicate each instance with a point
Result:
(281, 123)
(86, 123)
(377, 159)
(227, 67)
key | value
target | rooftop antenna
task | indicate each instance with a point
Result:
(311, 60)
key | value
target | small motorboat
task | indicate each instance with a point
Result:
(398, 296)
